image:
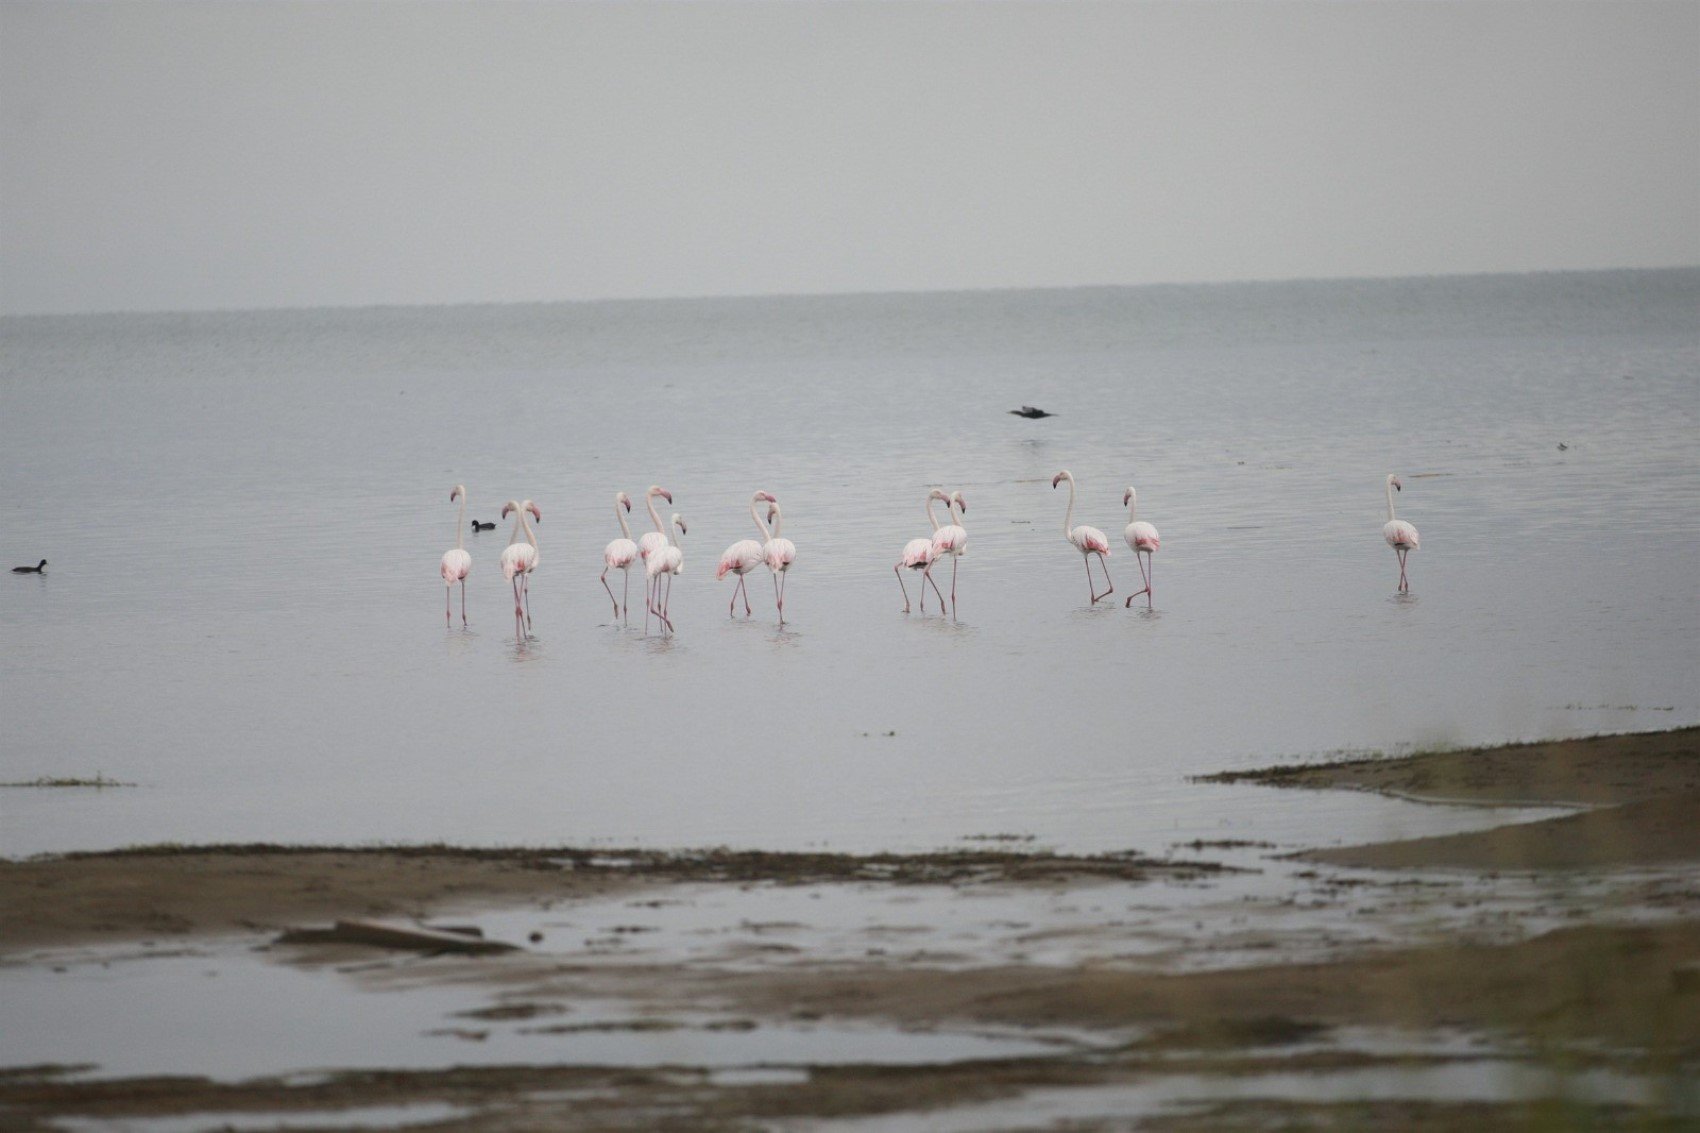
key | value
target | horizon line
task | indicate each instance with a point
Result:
(850, 294)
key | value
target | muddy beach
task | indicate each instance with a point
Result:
(1535, 975)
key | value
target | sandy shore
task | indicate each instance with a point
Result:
(1603, 992)
(1644, 788)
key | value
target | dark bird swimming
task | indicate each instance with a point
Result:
(1031, 412)
(30, 570)
(477, 526)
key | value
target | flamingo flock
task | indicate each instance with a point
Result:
(663, 556)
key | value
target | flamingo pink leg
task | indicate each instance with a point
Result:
(952, 587)
(1146, 577)
(898, 571)
(1092, 586)
(463, 601)
(1404, 586)
(779, 594)
(447, 599)
(519, 618)
(604, 577)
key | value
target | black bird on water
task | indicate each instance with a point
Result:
(30, 570)
(490, 526)
(1031, 412)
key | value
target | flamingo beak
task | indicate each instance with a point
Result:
(628, 504)
(1398, 487)
(1057, 479)
(683, 530)
(1126, 496)
(666, 495)
(769, 497)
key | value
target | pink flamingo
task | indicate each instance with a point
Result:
(457, 564)
(744, 556)
(952, 540)
(667, 562)
(918, 555)
(519, 560)
(1143, 538)
(652, 540)
(1088, 541)
(779, 553)
(1401, 536)
(620, 553)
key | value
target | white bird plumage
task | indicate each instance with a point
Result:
(457, 564)
(664, 564)
(1400, 535)
(1144, 540)
(779, 553)
(619, 554)
(1087, 540)
(918, 554)
(952, 540)
(744, 556)
(520, 559)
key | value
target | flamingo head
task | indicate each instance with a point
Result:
(623, 500)
(772, 510)
(679, 521)
(1059, 478)
(1128, 497)
(456, 492)
(767, 497)
(962, 504)
(532, 508)
(658, 490)
(509, 508)
(1397, 487)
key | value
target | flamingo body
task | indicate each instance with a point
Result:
(664, 564)
(1087, 540)
(919, 554)
(1143, 539)
(744, 556)
(456, 564)
(952, 540)
(1400, 535)
(620, 553)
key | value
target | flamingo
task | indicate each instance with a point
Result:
(652, 540)
(744, 556)
(457, 564)
(668, 561)
(1088, 541)
(1143, 538)
(779, 554)
(519, 560)
(620, 554)
(1401, 536)
(918, 555)
(952, 540)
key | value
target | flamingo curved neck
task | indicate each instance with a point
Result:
(620, 514)
(519, 518)
(931, 518)
(654, 516)
(1068, 516)
(778, 521)
(761, 524)
(530, 535)
(1390, 499)
(460, 525)
(1132, 505)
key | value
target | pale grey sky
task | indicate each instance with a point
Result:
(159, 156)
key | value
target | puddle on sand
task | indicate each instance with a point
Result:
(364, 1117)
(196, 1014)
(1486, 1081)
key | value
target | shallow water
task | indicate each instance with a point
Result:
(243, 515)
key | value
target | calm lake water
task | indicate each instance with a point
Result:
(243, 515)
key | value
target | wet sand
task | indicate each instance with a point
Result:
(1645, 788)
(1612, 992)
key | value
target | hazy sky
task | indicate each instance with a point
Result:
(220, 155)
